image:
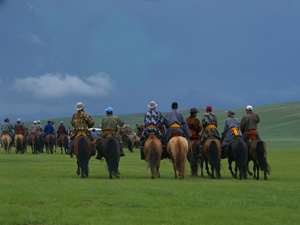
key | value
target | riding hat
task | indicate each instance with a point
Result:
(174, 105)
(19, 120)
(35, 122)
(79, 106)
(61, 121)
(249, 107)
(231, 111)
(194, 110)
(152, 105)
(208, 107)
(109, 110)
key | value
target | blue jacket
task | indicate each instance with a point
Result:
(48, 130)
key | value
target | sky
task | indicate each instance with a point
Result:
(126, 53)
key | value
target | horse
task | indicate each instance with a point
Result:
(34, 143)
(153, 149)
(237, 151)
(257, 152)
(110, 148)
(82, 148)
(49, 142)
(212, 153)
(178, 148)
(6, 140)
(41, 143)
(20, 143)
(134, 142)
(63, 141)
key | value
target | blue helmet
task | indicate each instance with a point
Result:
(61, 122)
(109, 109)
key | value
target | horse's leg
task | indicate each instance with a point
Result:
(201, 166)
(207, 168)
(230, 167)
(174, 168)
(254, 169)
(157, 171)
(212, 172)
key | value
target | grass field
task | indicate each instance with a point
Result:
(44, 189)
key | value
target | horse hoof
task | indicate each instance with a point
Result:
(265, 178)
(152, 177)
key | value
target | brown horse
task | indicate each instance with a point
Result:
(212, 153)
(63, 142)
(153, 149)
(178, 148)
(193, 156)
(20, 143)
(237, 151)
(110, 149)
(135, 141)
(82, 148)
(257, 152)
(34, 143)
(49, 142)
(6, 140)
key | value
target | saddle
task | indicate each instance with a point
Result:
(252, 137)
(174, 134)
(81, 133)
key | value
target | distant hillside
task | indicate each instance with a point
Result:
(279, 126)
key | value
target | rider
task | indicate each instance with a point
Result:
(48, 129)
(7, 128)
(34, 129)
(109, 126)
(194, 124)
(19, 128)
(81, 121)
(231, 131)
(61, 130)
(249, 124)
(153, 124)
(209, 124)
(40, 126)
(175, 122)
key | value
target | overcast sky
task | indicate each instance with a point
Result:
(125, 53)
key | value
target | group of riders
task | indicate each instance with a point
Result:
(154, 122)
(36, 129)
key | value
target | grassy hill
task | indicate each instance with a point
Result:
(279, 126)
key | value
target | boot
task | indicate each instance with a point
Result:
(93, 149)
(69, 152)
(142, 154)
(224, 152)
(200, 154)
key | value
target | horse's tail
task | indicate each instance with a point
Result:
(179, 163)
(241, 158)
(129, 144)
(19, 145)
(113, 162)
(82, 156)
(214, 156)
(153, 156)
(66, 142)
(262, 162)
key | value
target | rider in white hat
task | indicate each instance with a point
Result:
(249, 124)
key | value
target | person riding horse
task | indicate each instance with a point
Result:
(153, 124)
(194, 124)
(175, 122)
(109, 126)
(34, 129)
(209, 124)
(48, 129)
(7, 128)
(81, 122)
(249, 125)
(20, 129)
(231, 131)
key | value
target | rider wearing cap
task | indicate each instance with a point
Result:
(19, 127)
(175, 122)
(48, 129)
(194, 124)
(61, 129)
(231, 131)
(249, 124)
(153, 124)
(81, 122)
(109, 126)
(209, 125)
(7, 128)
(34, 129)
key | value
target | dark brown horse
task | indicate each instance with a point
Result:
(49, 142)
(212, 153)
(237, 151)
(20, 143)
(178, 148)
(63, 142)
(34, 143)
(153, 149)
(82, 148)
(257, 153)
(110, 149)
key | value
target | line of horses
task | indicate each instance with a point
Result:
(36, 142)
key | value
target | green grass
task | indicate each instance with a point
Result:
(44, 189)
